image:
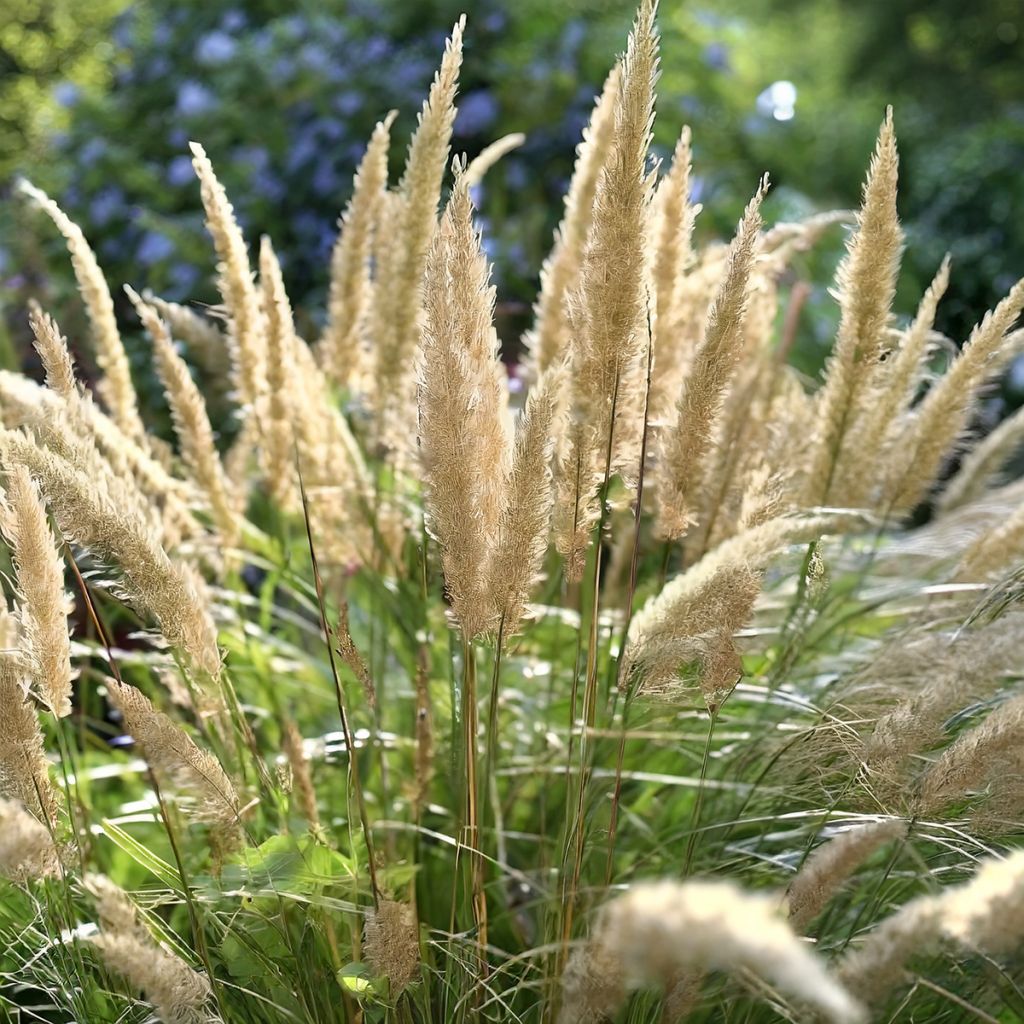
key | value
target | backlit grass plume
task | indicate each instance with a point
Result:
(43, 604)
(116, 387)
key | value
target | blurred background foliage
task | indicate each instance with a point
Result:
(99, 100)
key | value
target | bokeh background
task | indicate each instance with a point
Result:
(98, 101)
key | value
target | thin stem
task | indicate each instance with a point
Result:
(698, 803)
(471, 726)
(339, 693)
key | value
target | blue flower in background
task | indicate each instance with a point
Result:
(179, 172)
(154, 248)
(66, 94)
(233, 21)
(91, 152)
(194, 99)
(107, 204)
(215, 48)
(477, 113)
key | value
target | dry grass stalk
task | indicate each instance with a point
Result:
(657, 931)
(688, 440)
(985, 914)
(695, 616)
(116, 387)
(24, 768)
(424, 730)
(609, 305)
(246, 342)
(995, 551)
(548, 341)
(490, 155)
(895, 386)
(43, 603)
(352, 657)
(672, 221)
(397, 295)
(831, 865)
(277, 416)
(942, 416)
(173, 755)
(608, 308)
(27, 852)
(302, 777)
(985, 755)
(65, 418)
(87, 514)
(178, 993)
(981, 466)
(392, 944)
(204, 340)
(866, 281)
(525, 522)
(955, 674)
(462, 402)
(53, 353)
(340, 349)
(191, 422)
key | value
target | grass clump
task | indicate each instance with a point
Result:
(395, 697)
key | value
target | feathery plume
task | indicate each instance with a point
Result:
(24, 768)
(672, 221)
(895, 386)
(178, 993)
(64, 417)
(116, 388)
(609, 302)
(548, 340)
(656, 931)
(26, 846)
(204, 340)
(696, 614)
(191, 422)
(490, 155)
(982, 465)
(463, 441)
(985, 914)
(398, 295)
(944, 412)
(339, 350)
(978, 757)
(392, 944)
(278, 423)
(87, 514)
(831, 865)
(608, 308)
(687, 442)
(866, 282)
(525, 522)
(43, 603)
(995, 552)
(53, 353)
(175, 757)
(245, 339)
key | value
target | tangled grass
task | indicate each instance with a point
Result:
(389, 696)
